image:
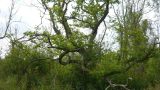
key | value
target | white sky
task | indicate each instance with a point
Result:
(25, 10)
(27, 14)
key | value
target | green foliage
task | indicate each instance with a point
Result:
(42, 73)
(24, 62)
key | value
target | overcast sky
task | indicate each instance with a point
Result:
(26, 13)
(25, 10)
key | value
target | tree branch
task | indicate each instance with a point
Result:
(112, 85)
(65, 22)
(70, 61)
(51, 16)
(94, 31)
(8, 24)
(147, 55)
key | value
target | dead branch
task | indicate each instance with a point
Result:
(113, 85)
(10, 17)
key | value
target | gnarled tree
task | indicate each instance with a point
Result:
(69, 45)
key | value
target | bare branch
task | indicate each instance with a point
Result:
(51, 16)
(112, 85)
(104, 32)
(8, 24)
